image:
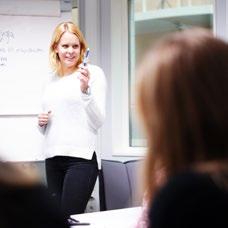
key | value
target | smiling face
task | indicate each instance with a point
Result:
(68, 50)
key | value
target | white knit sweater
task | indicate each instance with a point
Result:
(75, 117)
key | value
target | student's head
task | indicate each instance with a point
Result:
(182, 98)
(16, 175)
(67, 48)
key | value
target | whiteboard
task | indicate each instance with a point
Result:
(20, 139)
(24, 64)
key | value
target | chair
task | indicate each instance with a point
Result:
(118, 184)
(114, 185)
(133, 167)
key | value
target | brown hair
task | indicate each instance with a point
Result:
(182, 99)
(18, 174)
(58, 32)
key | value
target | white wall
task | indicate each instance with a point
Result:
(102, 27)
(98, 20)
(111, 50)
(23, 73)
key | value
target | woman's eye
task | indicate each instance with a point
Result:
(65, 46)
(75, 46)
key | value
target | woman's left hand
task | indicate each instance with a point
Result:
(84, 77)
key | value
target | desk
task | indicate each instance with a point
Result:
(120, 218)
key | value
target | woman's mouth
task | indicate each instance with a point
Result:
(70, 58)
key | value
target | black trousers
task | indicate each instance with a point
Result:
(71, 181)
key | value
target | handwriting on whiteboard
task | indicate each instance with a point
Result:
(7, 47)
(6, 36)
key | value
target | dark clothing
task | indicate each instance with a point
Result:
(28, 206)
(190, 200)
(71, 181)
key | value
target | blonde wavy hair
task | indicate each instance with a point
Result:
(58, 32)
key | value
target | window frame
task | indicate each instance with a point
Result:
(120, 81)
(120, 72)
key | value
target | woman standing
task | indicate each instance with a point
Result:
(73, 110)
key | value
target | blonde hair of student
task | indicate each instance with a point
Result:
(182, 99)
(58, 32)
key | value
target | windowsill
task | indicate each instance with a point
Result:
(130, 151)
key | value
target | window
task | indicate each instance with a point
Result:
(137, 23)
(150, 20)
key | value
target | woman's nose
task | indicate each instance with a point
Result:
(70, 49)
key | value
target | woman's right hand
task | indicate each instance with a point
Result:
(43, 118)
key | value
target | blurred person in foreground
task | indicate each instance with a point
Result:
(182, 98)
(25, 201)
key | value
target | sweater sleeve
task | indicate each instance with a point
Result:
(41, 129)
(94, 102)
(45, 84)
